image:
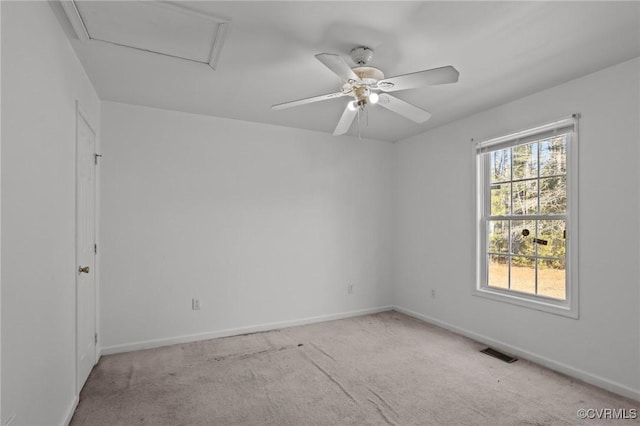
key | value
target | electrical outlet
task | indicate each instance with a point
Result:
(195, 304)
(433, 293)
(350, 289)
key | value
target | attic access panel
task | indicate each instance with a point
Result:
(150, 26)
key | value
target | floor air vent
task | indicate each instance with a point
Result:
(497, 354)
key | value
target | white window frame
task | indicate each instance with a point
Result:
(568, 307)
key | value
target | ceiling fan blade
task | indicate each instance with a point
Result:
(345, 121)
(442, 75)
(403, 108)
(308, 100)
(336, 64)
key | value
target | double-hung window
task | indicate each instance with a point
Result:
(527, 218)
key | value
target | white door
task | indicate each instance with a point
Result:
(85, 249)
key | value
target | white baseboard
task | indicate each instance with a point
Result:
(155, 343)
(587, 377)
(71, 410)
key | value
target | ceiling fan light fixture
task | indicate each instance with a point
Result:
(368, 85)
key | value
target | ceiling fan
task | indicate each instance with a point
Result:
(368, 85)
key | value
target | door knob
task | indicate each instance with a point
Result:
(84, 269)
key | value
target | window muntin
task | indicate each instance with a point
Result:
(524, 216)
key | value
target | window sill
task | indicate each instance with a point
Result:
(560, 307)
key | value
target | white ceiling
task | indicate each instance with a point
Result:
(503, 50)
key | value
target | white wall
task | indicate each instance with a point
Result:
(41, 80)
(435, 235)
(262, 223)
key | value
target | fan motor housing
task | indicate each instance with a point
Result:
(369, 75)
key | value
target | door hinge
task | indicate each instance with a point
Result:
(96, 338)
(95, 156)
(95, 248)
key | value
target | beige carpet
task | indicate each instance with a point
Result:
(372, 370)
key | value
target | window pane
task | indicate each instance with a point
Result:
(498, 236)
(553, 156)
(500, 199)
(500, 163)
(498, 269)
(525, 161)
(523, 232)
(523, 274)
(551, 232)
(552, 279)
(553, 195)
(525, 197)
